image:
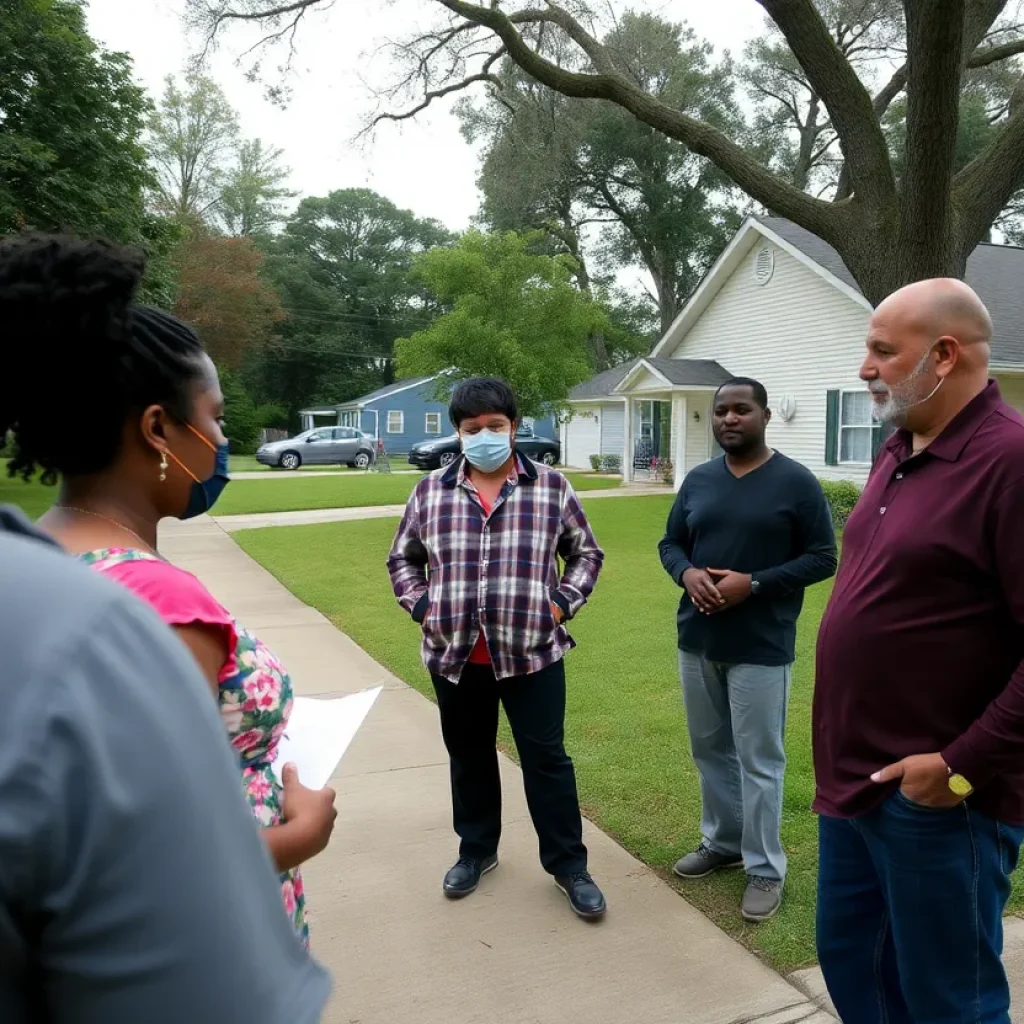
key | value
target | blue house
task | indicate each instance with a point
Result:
(401, 415)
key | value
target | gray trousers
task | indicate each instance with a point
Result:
(737, 721)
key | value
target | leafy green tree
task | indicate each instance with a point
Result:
(512, 313)
(343, 268)
(562, 165)
(193, 137)
(254, 195)
(71, 124)
(241, 419)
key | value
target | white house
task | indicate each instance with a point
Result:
(779, 305)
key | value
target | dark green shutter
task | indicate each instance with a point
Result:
(832, 429)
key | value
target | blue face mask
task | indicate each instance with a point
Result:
(204, 493)
(487, 450)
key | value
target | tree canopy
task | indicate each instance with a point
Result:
(511, 313)
(343, 268)
(891, 228)
(71, 125)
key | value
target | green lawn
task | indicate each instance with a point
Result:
(251, 496)
(625, 725)
(277, 495)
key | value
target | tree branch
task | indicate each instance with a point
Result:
(986, 55)
(834, 80)
(984, 187)
(485, 75)
(760, 183)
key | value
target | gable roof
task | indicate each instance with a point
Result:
(702, 373)
(603, 385)
(390, 389)
(995, 272)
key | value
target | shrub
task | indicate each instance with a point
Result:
(595, 462)
(611, 463)
(665, 471)
(842, 495)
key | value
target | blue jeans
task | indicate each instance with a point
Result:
(910, 914)
(736, 715)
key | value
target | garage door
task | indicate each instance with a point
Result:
(584, 438)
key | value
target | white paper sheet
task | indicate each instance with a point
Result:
(319, 732)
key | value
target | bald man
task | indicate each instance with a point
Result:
(919, 702)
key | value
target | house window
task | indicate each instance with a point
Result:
(396, 421)
(854, 435)
(433, 423)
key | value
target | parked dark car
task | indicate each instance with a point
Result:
(323, 446)
(445, 450)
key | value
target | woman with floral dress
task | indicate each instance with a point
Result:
(150, 445)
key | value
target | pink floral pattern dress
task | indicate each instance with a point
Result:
(255, 690)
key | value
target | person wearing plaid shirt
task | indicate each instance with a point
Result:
(476, 563)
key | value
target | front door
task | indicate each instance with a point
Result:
(317, 450)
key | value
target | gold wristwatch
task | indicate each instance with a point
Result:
(959, 785)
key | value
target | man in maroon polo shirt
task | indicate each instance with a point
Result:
(919, 702)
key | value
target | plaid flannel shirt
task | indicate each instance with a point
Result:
(458, 571)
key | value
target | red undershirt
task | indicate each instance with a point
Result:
(480, 655)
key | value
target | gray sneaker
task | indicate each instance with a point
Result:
(703, 861)
(762, 899)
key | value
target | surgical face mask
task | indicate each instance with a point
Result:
(488, 450)
(204, 493)
(902, 397)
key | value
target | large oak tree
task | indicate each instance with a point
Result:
(890, 229)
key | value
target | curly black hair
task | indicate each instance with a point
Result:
(78, 356)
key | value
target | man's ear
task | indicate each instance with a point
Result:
(767, 416)
(948, 351)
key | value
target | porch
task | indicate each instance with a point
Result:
(668, 418)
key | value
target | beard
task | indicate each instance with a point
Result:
(902, 397)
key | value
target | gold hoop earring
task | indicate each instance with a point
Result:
(163, 467)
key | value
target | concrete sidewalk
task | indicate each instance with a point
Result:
(308, 517)
(512, 953)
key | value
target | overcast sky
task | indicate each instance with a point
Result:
(423, 165)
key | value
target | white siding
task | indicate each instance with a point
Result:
(613, 428)
(583, 436)
(698, 435)
(799, 336)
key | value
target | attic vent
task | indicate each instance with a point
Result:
(764, 266)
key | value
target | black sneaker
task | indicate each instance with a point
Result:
(584, 896)
(703, 861)
(464, 876)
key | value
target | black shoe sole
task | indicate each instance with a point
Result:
(587, 915)
(731, 866)
(457, 894)
(760, 918)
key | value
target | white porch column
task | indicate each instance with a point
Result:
(680, 413)
(627, 455)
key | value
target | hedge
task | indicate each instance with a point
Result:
(842, 495)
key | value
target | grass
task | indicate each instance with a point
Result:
(252, 496)
(277, 495)
(625, 725)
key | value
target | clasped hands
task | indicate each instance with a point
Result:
(716, 590)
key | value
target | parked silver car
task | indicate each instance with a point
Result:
(322, 446)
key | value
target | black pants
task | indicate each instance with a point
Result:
(535, 706)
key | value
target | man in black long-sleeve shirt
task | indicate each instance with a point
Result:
(747, 534)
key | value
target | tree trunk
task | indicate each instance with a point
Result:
(571, 239)
(881, 263)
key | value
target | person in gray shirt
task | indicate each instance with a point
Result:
(120, 903)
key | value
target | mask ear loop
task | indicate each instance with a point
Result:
(181, 464)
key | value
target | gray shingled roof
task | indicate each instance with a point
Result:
(384, 392)
(995, 272)
(603, 384)
(695, 372)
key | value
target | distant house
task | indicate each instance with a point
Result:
(779, 305)
(401, 414)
